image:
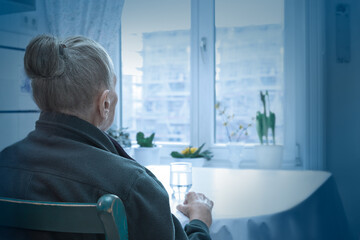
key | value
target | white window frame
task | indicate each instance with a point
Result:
(304, 46)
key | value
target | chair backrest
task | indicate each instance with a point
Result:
(108, 216)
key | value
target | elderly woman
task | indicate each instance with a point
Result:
(69, 158)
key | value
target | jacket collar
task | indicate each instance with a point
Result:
(75, 128)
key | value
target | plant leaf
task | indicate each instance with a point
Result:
(206, 154)
(176, 155)
(144, 142)
(151, 138)
(198, 150)
(139, 136)
(259, 126)
(272, 121)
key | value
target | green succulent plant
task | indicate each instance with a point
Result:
(264, 122)
(145, 141)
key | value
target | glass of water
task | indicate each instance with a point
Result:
(180, 179)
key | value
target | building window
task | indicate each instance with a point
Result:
(155, 43)
(249, 59)
(179, 58)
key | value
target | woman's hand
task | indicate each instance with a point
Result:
(197, 206)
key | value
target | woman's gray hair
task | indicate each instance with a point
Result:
(67, 75)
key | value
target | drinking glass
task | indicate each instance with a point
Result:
(180, 179)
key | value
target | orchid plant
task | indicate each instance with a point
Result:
(265, 120)
(234, 130)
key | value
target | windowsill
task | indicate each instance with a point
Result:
(220, 159)
(224, 163)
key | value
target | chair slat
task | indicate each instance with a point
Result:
(56, 217)
(107, 217)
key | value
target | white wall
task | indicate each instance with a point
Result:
(343, 112)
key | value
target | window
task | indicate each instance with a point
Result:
(249, 59)
(156, 69)
(181, 57)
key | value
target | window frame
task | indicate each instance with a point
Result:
(304, 46)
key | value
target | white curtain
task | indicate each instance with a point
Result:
(97, 19)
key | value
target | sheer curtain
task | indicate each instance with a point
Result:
(97, 19)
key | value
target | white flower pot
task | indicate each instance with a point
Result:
(195, 162)
(147, 155)
(269, 156)
(235, 153)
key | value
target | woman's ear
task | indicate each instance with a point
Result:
(104, 104)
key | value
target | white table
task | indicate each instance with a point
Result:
(267, 204)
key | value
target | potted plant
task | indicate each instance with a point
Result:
(147, 152)
(267, 155)
(235, 132)
(122, 137)
(193, 155)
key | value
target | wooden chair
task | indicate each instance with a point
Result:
(107, 217)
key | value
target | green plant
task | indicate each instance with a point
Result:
(264, 122)
(121, 136)
(193, 152)
(145, 141)
(234, 130)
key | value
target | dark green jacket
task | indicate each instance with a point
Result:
(69, 160)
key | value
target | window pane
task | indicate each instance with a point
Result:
(156, 68)
(249, 58)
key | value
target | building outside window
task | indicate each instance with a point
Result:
(158, 68)
(248, 60)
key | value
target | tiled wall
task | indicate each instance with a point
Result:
(18, 112)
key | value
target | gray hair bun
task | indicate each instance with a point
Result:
(44, 58)
(67, 76)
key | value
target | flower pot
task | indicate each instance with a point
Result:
(269, 156)
(147, 155)
(235, 153)
(196, 162)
